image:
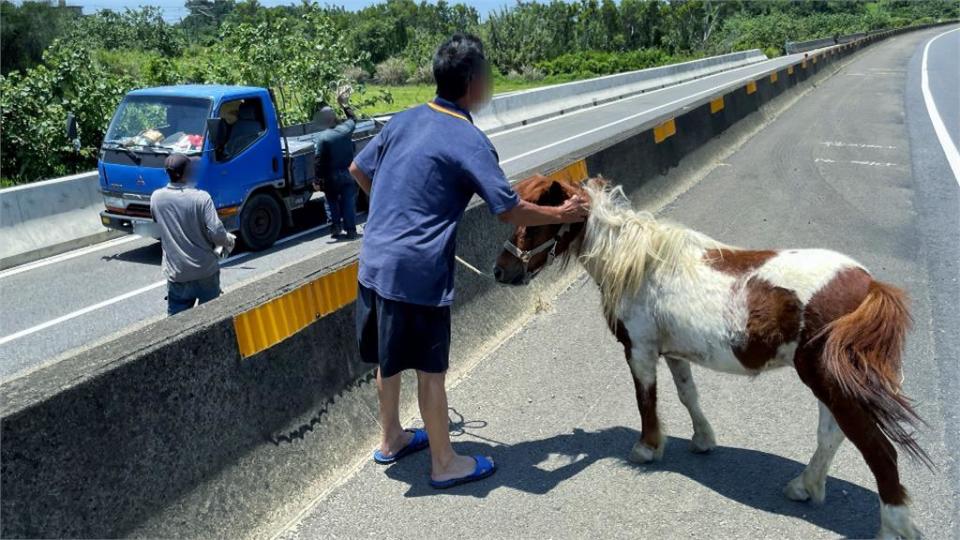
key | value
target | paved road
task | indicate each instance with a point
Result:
(944, 55)
(555, 407)
(77, 300)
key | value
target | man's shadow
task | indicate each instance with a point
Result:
(149, 255)
(749, 477)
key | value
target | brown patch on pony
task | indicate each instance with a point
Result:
(546, 191)
(649, 422)
(646, 396)
(737, 261)
(841, 295)
(543, 191)
(774, 316)
(853, 339)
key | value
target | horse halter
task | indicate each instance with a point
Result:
(526, 255)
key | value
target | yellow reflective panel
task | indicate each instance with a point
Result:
(662, 131)
(716, 105)
(270, 323)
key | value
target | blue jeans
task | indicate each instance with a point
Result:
(185, 295)
(340, 199)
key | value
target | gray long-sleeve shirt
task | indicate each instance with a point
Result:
(189, 231)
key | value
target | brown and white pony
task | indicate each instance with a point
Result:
(672, 292)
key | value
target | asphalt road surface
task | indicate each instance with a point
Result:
(87, 296)
(854, 166)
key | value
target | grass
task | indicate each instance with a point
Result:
(410, 95)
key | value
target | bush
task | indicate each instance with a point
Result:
(422, 75)
(531, 73)
(356, 74)
(526, 74)
(773, 52)
(595, 63)
(392, 71)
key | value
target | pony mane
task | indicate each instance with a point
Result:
(622, 247)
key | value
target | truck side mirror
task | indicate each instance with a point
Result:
(215, 132)
(71, 127)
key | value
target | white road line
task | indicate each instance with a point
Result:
(840, 144)
(636, 96)
(67, 256)
(949, 147)
(110, 301)
(858, 162)
(628, 118)
(52, 322)
(875, 163)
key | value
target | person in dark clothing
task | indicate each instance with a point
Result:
(421, 172)
(334, 153)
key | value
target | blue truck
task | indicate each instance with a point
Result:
(256, 170)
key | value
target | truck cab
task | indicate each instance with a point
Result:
(256, 172)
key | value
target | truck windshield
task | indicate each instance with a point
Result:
(159, 124)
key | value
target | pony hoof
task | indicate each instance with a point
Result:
(895, 522)
(702, 442)
(796, 491)
(641, 453)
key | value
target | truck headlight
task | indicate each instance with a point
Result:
(115, 202)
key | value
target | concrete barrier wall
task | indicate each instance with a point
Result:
(793, 47)
(518, 108)
(850, 37)
(170, 431)
(45, 218)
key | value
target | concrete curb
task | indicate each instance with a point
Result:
(47, 218)
(520, 108)
(169, 431)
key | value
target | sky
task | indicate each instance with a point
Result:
(174, 10)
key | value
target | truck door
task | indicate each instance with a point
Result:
(249, 158)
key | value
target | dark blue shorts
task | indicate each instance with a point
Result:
(398, 336)
(184, 295)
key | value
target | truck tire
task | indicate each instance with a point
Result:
(260, 222)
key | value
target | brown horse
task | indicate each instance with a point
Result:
(672, 292)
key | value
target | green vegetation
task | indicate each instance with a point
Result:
(408, 95)
(55, 61)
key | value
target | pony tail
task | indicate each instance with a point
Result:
(862, 355)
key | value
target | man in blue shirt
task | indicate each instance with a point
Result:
(420, 173)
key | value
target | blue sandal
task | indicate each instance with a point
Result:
(418, 442)
(483, 469)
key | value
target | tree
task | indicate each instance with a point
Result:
(206, 16)
(28, 29)
(302, 57)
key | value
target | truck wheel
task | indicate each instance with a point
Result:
(260, 222)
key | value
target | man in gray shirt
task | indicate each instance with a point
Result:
(190, 232)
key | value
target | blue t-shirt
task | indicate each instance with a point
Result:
(426, 164)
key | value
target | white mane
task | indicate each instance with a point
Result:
(622, 247)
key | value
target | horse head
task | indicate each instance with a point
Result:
(531, 249)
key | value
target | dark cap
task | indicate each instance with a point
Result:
(177, 166)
